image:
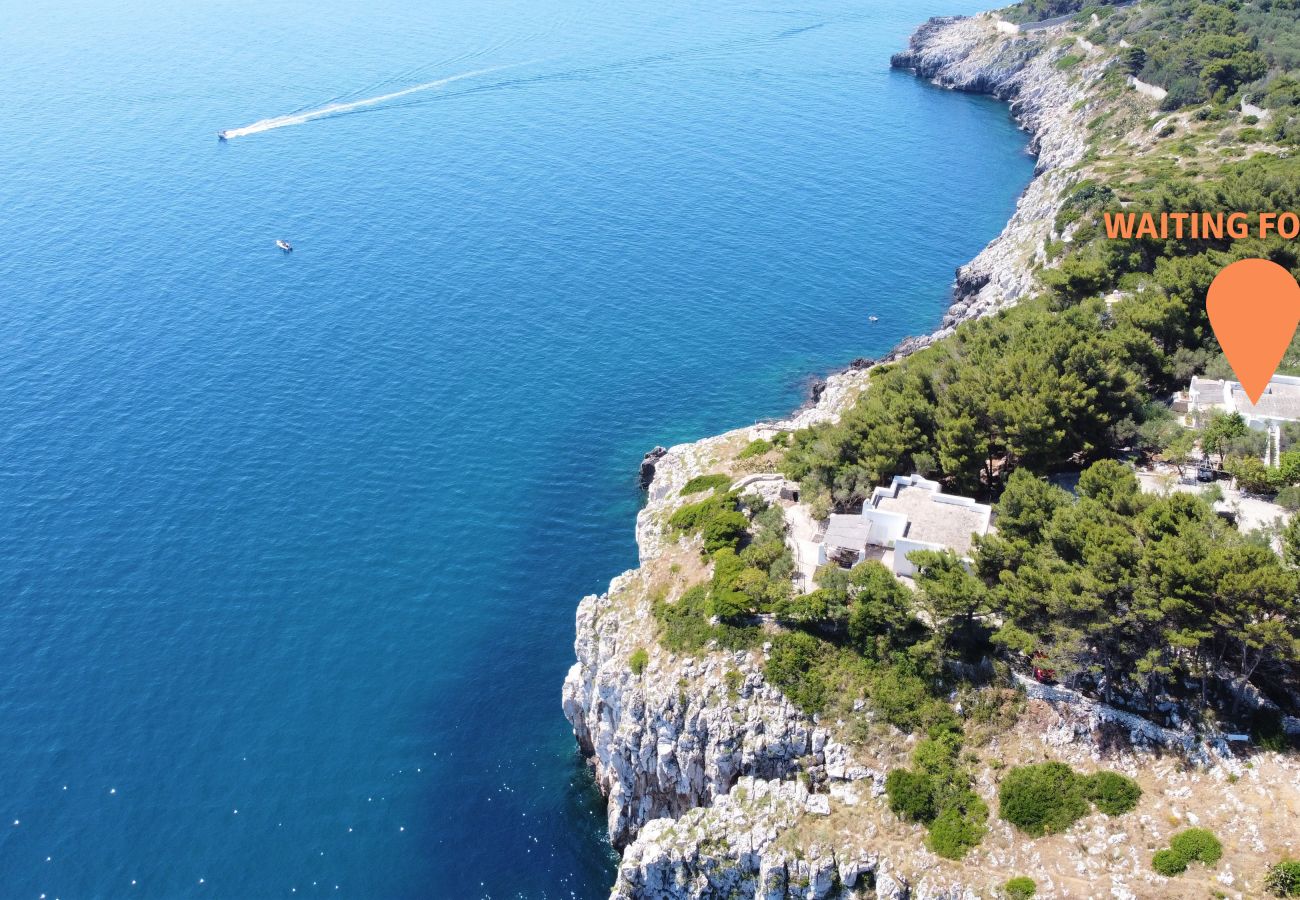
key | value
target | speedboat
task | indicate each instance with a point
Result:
(221, 136)
(284, 245)
(873, 318)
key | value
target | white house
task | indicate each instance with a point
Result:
(911, 514)
(1279, 403)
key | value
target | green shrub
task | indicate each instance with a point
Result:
(959, 826)
(706, 483)
(725, 601)
(716, 518)
(911, 795)
(685, 626)
(726, 529)
(791, 668)
(734, 681)
(692, 516)
(1020, 888)
(1168, 863)
(1191, 845)
(1283, 879)
(1042, 799)
(901, 698)
(1069, 61)
(938, 756)
(1197, 845)
(1113, 793)
(755, 448)
(637, 661)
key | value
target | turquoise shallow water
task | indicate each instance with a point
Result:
(292, 543)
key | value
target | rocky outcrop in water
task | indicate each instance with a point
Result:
(648, 462)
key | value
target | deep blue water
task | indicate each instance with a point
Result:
(290, 544)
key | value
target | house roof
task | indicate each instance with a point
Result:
(1279, 401)
(847, 531)
(935, 520)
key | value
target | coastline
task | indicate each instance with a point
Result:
(693, 755)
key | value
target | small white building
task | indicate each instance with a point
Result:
(912, 513)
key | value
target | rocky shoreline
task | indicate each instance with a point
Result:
(695, 755)
(968, 54)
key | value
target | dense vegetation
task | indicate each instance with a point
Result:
(1050, 797)
(937, 791)
(1131, 592)
(1121, 593)
(752, 571)
(1216, 53)
(1061, 378)
(1037, 10)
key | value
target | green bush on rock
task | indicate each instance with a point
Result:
(911, 795)
(702, 483)
(1113, 793)
(960, 826)
(1042, 799)
(638, 660)
(791, 667)
(1050, 797)
(1168, 863)
(1191, 845)
(1283, 879)
(755, 448)
(1197, 845)
(1020, 888)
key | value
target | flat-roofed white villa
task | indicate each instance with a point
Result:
(912, 513)
(1279, 403)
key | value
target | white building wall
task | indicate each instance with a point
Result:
(886, 527)
(904, 546)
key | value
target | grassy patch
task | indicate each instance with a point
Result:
(701, 483)
(638, 660)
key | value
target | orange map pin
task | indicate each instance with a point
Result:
(1254, 307)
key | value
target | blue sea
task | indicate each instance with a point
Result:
(290, 544)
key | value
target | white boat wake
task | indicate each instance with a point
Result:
(341, 105)
(334, 109)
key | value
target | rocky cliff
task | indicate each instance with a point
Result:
(717, 785)
(970, 54)
(681, 732)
